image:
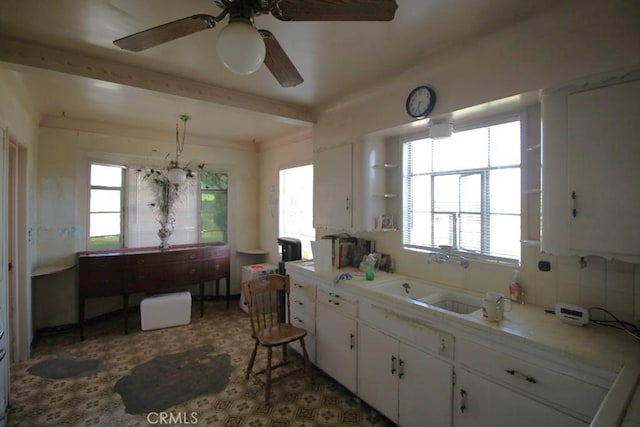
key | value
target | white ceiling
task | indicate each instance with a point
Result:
(334, 58)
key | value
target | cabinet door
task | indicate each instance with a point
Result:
(425, 389)
(333, 187)
(604, 154)
(336, 345)
(480, 402)
(378, 371)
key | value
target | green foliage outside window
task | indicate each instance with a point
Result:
(213, 206)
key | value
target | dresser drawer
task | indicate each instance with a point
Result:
(339, 301)
(550, 384)
(164, 257)
(215, 268)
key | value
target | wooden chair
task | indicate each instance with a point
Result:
(264, 302)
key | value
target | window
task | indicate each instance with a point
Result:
(105, 207)
(213, 207)
(463, 192)
(201, 211)
(296, 206)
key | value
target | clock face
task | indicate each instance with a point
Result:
(421, 101)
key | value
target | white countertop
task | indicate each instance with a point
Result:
(598, 346)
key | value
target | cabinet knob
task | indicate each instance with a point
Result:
(192, 256)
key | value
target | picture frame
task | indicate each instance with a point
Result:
(385, 222)
(385, 262)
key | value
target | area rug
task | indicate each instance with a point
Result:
(64, 367)
(168, 380)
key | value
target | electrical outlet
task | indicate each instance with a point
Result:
(445, 345)
(544, 266)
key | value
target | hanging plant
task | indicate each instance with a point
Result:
(167, 186)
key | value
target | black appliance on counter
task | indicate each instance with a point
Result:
(291, 251)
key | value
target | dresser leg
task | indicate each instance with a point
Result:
(126, 313)
(202, 299)
(81, 317)
(227, 281)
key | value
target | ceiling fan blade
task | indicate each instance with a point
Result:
(278, 62)
(165, 32)
(336, 10)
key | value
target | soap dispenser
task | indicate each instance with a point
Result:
(515, 289)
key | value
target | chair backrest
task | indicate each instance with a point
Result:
(262, 296)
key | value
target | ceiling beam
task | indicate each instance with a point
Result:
(33, 55)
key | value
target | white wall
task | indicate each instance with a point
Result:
(577, 39)
(18, 116)
(63, 188)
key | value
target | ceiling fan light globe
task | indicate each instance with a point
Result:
(241, 48)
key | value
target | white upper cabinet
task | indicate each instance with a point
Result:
(590, 169)
(333, 188)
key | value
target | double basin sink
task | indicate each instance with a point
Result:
(424, 293)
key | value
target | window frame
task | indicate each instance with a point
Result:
(123, 198)
(484, 172)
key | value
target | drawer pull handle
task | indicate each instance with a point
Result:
(463, 400)
(333, 302)
(298, 302)
(193, 271)
(334, 295)
(521, 376)
(216, 267)
(298, 286)
(140, 261)
(393, 365)
(297, 319)
(192, 256)
(351, 341)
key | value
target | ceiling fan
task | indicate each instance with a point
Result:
(243, 48)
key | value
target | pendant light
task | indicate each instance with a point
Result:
(175, 174)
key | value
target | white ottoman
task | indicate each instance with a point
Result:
(165, 310)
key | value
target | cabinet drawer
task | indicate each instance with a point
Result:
(345, 304)
(545, 383)
(410, 329)
(209, 252)
(303, 290)
(148, 278)
(216, 268)
(303, 320)
(166, 257)
(100, 282)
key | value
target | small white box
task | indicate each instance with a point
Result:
(252, 271)
(165, 310)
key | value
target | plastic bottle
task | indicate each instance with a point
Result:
(515, 289)
(368, 267)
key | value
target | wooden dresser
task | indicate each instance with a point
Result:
(135, 270)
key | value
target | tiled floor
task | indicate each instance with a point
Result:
(91, 400)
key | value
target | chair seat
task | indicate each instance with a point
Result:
(280, 334)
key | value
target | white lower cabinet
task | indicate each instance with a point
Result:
(302, 302)
(407, 385)
(336, 335)
(502, 386)
(481, 402)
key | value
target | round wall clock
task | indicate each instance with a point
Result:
(420, 102)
